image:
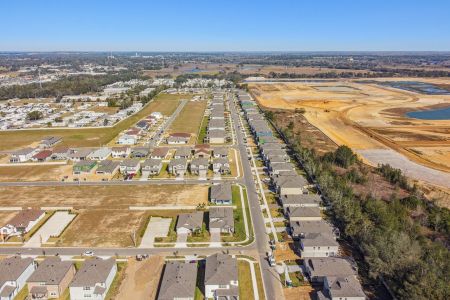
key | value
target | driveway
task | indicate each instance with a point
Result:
(181, 240)
(157, 227)
(53, 227)
(144, 176)
(215, 239)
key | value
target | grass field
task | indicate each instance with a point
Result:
(107, 197)
(79, 137)
(202, 132)
(245, 281)
(5, 216)
(190, 118)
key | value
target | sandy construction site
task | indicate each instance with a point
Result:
(370, 118)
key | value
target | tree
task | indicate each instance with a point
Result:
(344, 156)
(34, 115)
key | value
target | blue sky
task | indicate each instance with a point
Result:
(215, 25)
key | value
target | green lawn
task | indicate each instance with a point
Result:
(245, 281)
(95, 137)
(202, 132)
(239, 225)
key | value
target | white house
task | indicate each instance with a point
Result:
(120, 152)
(127, 140)
(100, 154)
(14, 272)
(93, 279)
(23, 155)
(22, 222)
(319, 244)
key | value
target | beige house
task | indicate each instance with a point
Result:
(51, 278)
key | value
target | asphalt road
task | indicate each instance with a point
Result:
(272, 285)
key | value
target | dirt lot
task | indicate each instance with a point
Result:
(164, 103)
(141, 279)
(285, 251)
(108, 197)
(299, 293)
(190, 118)
(34, 173)
(365, 116)
(102, 228)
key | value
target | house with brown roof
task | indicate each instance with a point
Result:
(159, 153)
(14, 272)
(178, 138)
(41, 156)
(93, 279)
(51, 278)
(22, 222)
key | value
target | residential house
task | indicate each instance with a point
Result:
(216, 124)
(202, 152)
(317, 268)
(183, 152)
(100, 154)
(304, 214)
(126, 139)
(217, 136)
(14, 272)
(221, 193)
(143, 125)
(301, 229)
(178, 138)
(178, 166)
(49, 142)
(60, 153)
(108, 167)
(130, 166)
(153, 166)
(319, 244)
(290, 184)
(22, 222)
(120, 152)
(221, 165)
(23, 155)
(199, 166)
(80, 154)
(83, 166)
(279, 167)
(93, 279)
(301, 200)
(342, 287)
(220, 152)
(42, 156)
(221, 277)
(51, 278)
(179, 281)
(140, 152)
(159, 153)
(189, 223)
(221, 219)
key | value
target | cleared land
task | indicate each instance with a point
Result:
(5, 216)
(190, 118)
(367, 117)
(103, 228)
(96, 137)
(141, 279)
(34, 173)
(108, 197)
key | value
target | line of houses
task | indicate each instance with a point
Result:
(316, 237)
(133, 135)
(216, 131)
(50, 278)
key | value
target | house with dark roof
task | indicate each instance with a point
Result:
(183, 152)
(319, 244)
(51, 278)
(41, 156)
(159, 152)
(299, 200)
(93, 279)
(221, 194)
(83, 166)
(199, 166)
(178, 281)
(22, 222)
(108, 167)
(342, 287)
(220, 152)
(304, 214)
(189, 222)
(221, 277)
(221, 219)
(290, 185)
(221, 166)
(317, 268)
(140, 152)
(178, 166)
(14, 272)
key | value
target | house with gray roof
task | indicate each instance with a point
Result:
(199, 166)
(190, 222)
(221, 277)
(342, 287)
(49, 141)
(220, 152)
(152, 165)
(317, 268)
(140, 152)
(299, 200)
(179, 281)
(304, 213)
(130, 166)
(14, 272)
(51, 278)
(22, 155)
(221, 166)
(221, 219)
(93, 279)
(80, 154)
(221, 193)
(100, 154)
(108, 167)
(178, 166)
(183, 152)
(290, 185)
(217, 136)
(300, 229)
(319, 244)
(276, 168)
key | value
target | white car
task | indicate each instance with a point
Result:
(88, 253)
